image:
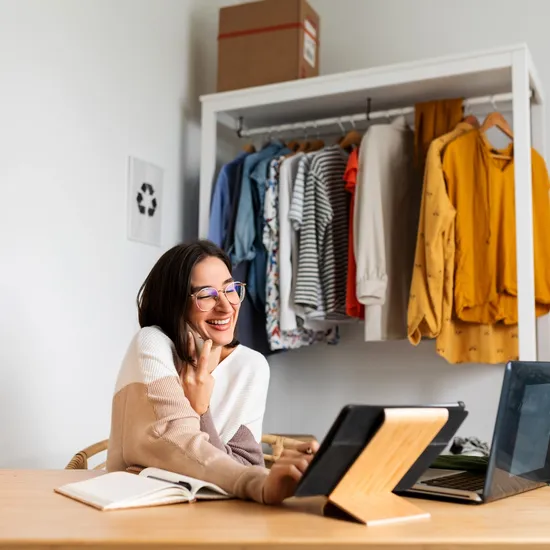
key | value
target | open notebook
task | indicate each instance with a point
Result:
(151, 487)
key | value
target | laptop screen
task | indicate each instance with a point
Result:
(521, 441)
(533, 431)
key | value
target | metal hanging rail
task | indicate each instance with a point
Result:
(360, 117)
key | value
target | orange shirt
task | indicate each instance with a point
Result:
(353, 307)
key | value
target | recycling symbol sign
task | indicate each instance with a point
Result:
(146, 200)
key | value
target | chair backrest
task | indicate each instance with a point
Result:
(80, 459)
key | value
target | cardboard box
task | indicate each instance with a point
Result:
(267, 42)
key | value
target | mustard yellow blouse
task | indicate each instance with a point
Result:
(480, 187)
(430, 311)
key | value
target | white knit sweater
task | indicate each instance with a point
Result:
(240, 393)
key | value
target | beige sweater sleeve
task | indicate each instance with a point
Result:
(153, 423)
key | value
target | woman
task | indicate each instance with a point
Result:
(189, 398)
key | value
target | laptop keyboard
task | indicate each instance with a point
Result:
(464, 481)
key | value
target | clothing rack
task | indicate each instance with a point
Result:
(484, 76)
(361, 117)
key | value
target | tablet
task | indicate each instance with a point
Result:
(353, 428)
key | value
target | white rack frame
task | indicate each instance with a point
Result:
(503, 70)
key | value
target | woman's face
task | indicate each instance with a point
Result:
(219, 323)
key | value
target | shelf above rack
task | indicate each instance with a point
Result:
(388, 87)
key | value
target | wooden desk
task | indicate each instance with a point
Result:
(32, 516)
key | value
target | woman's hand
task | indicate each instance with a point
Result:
(198, 382)
(287, 471)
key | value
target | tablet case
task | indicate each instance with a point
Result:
(372, 450)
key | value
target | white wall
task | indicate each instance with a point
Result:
(308, 387)
(84, 84)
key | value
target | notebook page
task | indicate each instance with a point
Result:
(197, 487)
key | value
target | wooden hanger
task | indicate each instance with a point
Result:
(304, 147)
(294, 145)
(495, 119)
(316, 144)
(352, 138)
(471, 120)
(249, 148)
(341, 138)
(305, 144)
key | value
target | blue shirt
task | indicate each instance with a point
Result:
(245, 226)
(220, 208)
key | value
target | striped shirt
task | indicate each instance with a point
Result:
(324, 235)
(295, 214)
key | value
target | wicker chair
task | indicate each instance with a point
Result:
(277, 442)
(80, 459)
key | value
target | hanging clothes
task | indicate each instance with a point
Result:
(278, 339)
(222, 198)
(432, 119)
(234, 206)
(241, 245)
(311, 319)
(296, 212)
(250, 329)
(288, 242)
(354, 308)
(296, 218)
(481, 189)
(251, 183)
(430, 309)
(247, 244)
(324, 235)
(383, 234)
(259, 177)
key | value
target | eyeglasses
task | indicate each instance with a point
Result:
(207, 298)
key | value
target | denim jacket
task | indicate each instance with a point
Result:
(248, 244)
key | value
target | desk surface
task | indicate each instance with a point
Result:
(33, 516)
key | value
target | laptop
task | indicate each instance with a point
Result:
(349, 434)
(519, 458)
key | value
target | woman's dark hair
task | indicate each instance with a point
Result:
(164, 298)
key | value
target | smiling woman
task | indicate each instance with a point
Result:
(189, 398)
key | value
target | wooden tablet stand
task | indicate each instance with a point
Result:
(364, 494)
